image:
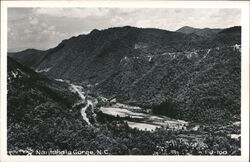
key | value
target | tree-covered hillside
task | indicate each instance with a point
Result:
(198, 75)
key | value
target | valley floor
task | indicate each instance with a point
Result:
(144, 120)
(106, 125)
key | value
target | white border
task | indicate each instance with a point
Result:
(243, 5)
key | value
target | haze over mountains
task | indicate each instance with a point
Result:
(191, 74)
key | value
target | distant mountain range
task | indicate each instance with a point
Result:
(191, 74)
(205, 32)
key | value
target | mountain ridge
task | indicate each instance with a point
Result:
(150, 67)
(97, 30)
(205, 32)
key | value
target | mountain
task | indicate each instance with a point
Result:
(29, 55)
(40, 111)
(230, 35)
(43, 119)
(193, 75)
(235, 29)
(205, 32)
(187, 30)
(77, 57)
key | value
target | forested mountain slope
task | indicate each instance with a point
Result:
(40, 111)
(184, 75)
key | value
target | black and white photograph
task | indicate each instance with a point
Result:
(106, 81)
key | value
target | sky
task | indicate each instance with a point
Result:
(44, 28)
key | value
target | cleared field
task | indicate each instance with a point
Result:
(147, 121)
(121, 112)
(143, 126)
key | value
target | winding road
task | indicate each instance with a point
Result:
(81, 94)
(79, 90)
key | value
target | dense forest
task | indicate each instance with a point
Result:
(41, 117)
(197, 70)
(188, 76)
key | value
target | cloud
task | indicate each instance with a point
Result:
(71, 12)
(51, 28)
(33, 20)
(27, 31)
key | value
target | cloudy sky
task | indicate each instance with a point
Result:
(43, 28)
